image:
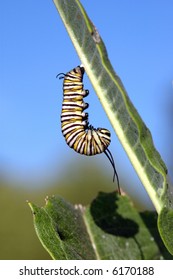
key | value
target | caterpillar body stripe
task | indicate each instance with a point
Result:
(79, 134)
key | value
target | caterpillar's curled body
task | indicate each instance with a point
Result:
(79, 135)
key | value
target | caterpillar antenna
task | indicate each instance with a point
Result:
(111, 159)
(61, 76)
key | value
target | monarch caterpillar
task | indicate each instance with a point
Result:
(78, 133)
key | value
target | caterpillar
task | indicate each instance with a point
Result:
(79, 134)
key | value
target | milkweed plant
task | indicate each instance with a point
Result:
(110, 227)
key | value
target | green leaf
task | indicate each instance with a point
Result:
(128, 125)
(61, 230)
(109, 229)
(120, 232)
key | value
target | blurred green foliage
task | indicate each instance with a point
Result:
(78, 184)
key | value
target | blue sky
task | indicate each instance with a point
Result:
(35, 47)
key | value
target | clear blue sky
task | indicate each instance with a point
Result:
(35, 47)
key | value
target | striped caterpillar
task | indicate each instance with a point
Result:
(79, 134)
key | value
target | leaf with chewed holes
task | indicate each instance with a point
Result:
(110, 229)
(127, 123)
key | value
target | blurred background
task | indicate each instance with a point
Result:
(34, 158)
